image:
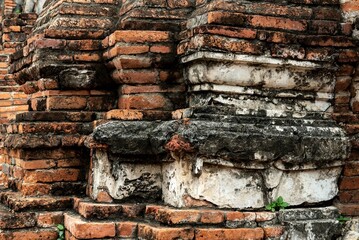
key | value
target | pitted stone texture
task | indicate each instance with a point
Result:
(263, 140)
(126, 180)
(298, 214)
(294, 143)
(314, 229)
(311, 223)
(128, 138)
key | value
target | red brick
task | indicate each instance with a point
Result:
(351, 169)
(104, 196)
(144, 101)
(127, 229)
(139, 36)
(135, 77)
(84, 44)
(223, 43)
(180, 3)
(327, 41)
(238, 216)
(173, 216)
(230, 234)
(161, 49)
(88, 230)
(126, 50)
(276, 23)
(56, 175)
(273, 231)
(49, 219)
(227, 31)
(98, 210)
(87, 57)
(265, 216)
(123, 114)
(342, 83)
(151, 211)
(133, 62)
(49, 43)
(349, 183)
(351, 196)
(348, 209)
(9, 220)
(66, 103)
(29, 234)
(162, 233)
(324, 27)
(36, 164)
(212, 217)
(34, 189)
(133, 210)
(225, 18)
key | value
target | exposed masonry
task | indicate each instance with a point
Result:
(154, 119)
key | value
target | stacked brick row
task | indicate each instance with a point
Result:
(301, 30)
(60, 73)
(159, 222)
(15, 28)
(54, 53)
(347, 100)
(59, 69)
(141, 55)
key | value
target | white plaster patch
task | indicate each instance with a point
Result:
(221, 186)
(269, 77)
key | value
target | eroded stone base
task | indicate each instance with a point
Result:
(229, 187)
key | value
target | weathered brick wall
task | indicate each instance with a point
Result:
(15, 29)
(105, 77)
(142, 58)
(346, 93)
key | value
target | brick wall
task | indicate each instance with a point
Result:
(346, 92)
(82, 65)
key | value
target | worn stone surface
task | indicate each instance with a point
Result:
(126, 137)
(252, 141)
(311, 186)
(299, 214)
(126, 181)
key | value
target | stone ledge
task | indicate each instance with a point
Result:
(291, 142)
